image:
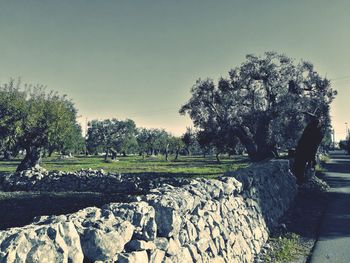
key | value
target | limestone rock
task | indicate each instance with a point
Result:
(137, 245)
(103, 244)
(133, 257)
(50, 243)
(174, 247)
(157, 256)
(140, 214)
(183, 256)
(223, 220)
(161, 243)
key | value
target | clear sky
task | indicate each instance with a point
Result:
(139, 59)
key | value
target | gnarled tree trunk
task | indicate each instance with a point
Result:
(217, 157)
(31, 159)
(106, 153)
(260, 147)
(306, 150)
(246, 141)
(255, 151)
(263, 140)
(7, 155)
(176, 155)
(113, 154)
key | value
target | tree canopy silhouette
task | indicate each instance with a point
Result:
(261, 103)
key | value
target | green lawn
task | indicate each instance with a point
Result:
(184, 166)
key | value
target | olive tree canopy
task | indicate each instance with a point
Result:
(261, 102)
(32, 119)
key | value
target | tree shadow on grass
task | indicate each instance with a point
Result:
(22, 207)
(10, 164)
(19, 208)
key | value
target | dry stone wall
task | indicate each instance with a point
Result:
(223, 220)
(39, 179)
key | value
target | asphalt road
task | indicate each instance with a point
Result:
(333, 245)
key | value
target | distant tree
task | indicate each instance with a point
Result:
(69, 142)
(94, 138)
(154, 142)
(261, 103)
(129, 145)
(111, 135)
(74, 142)
(162, 141)
(176, 145)
(216, 140)
(143, 139)
(102, 134)
(189, 139)
(126, 140)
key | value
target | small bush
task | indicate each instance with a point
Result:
(324, 159)
(286, 248)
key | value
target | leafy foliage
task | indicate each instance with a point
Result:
(261, 103)
(111, 135)
(118, 136)
(33, 120)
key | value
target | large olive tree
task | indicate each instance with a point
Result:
(261, 102)
(34, 118)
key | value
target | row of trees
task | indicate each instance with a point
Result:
(38, 123)
(114, 136)
(123, 137)
(258, 108)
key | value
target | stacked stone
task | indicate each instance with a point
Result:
(224, 220)
(39, 179)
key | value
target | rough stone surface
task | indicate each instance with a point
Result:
(157, 256)
(222, 220)
(140, 214)
(56, 242)
(133, 257)
(39, 179)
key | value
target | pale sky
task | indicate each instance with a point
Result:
(139, 59)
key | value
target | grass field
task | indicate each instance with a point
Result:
(19, 208)
(186, 166)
